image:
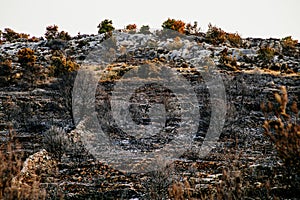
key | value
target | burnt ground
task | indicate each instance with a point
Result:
(244, 154)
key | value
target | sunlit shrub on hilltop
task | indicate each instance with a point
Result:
(176, 25)
(105, 26)
(10, 35)
(53, 33)
(145, 29)
(215, 35)
(131, 28)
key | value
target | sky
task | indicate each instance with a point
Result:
(255, 18)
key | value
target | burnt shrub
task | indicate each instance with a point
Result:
(56, 142)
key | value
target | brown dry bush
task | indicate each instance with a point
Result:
(282, 126)
(10, 167)
(61, 65)
(215, 35)
(266, 54)
(288, 45)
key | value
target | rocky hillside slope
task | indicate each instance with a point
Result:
(32, 103)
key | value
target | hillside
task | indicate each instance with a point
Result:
(37, 87)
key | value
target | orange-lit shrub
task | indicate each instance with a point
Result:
(11, 36)
(26, 57)
(288, 45)
(234, 39)
(266, 53)
(61, 65)
(131, 27)
(176, 25)
(215, 35)
(27, 60)
(5, 72)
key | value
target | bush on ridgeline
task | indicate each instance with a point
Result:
(61, 65)
(176, 25)
(106, 26)
(10, 35)
(288, 45)
(145, 29)
(52, 33)
(234, 39)
(131, 28)
(215, 35)
(192, 29)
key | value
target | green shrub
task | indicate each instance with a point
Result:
(53, 33)
(106, 26)
(145, 29)
(176, 25)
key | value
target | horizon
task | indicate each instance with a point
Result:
(269, 19)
